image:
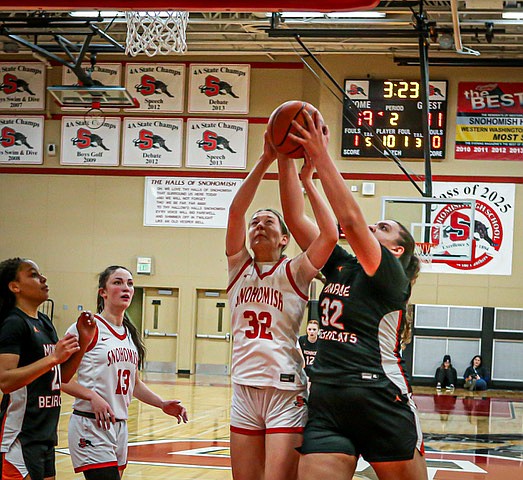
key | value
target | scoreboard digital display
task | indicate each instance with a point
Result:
(391, 110)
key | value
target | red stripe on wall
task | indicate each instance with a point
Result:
(124, 172)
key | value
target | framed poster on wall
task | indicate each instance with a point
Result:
(219, 88)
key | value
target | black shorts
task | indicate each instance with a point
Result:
(35, 459)
(380, 424)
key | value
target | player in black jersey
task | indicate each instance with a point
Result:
(32, 363)
(360, 401)
(308, 344)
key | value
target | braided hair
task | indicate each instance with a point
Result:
(8, 272)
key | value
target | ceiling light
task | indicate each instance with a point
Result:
(356, 15)
(298, 14)
(513, 15)
(95, 14)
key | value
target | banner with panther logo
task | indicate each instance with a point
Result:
(22, 86)
(82, 145)
(159, 87)
(213, 143)
(152, 142)
(492, 245)
(222, 89)
(22, 140)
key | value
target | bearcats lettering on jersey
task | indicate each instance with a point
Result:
(337, 289)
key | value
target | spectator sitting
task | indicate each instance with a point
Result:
(476, 376)
(446, 375)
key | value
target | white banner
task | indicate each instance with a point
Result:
(152, 142)
(22, 140)
(82, 145)
(213, 143)
(22, 86)
(219, 89)
(493, 227)
(159, 87)
(188, 202)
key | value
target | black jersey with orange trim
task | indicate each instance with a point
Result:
(309, 350)
(30, 413)
(361, 322)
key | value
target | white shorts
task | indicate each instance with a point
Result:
(91, 447)
(265, 410)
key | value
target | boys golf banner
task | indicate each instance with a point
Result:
(489, 123)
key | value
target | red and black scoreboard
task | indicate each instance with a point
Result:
(389, 117)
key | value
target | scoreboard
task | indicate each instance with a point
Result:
(389, 114)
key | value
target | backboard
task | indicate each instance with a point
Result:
(448, 224)
(92, 97)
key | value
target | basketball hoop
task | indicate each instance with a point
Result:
(155, 33)
(423, 251)
(95, 117)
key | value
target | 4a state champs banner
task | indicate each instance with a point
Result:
(493, 227)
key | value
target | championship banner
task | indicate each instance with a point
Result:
(188, 202)
(152, 142)
(159, 87)
(213, 143)
(492, 245)
(489, 123)
(219, 89)
(22, 140)
(82, 145)
(22, 86)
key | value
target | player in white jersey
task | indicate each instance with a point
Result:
(107, 379)
(267, 296)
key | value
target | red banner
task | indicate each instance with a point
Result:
(489, 123)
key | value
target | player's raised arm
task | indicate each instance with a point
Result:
(303, 229)
(347, 211)
(236, 231)
(321, 247)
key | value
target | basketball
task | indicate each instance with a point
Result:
(280, 125)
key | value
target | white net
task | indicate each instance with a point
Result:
(423, 251)
(156, 33)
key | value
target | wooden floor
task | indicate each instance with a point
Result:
(467, 435)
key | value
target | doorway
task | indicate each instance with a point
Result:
(160, 328)
(213, 339)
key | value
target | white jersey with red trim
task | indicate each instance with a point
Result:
(108, 367)
(267, 302)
